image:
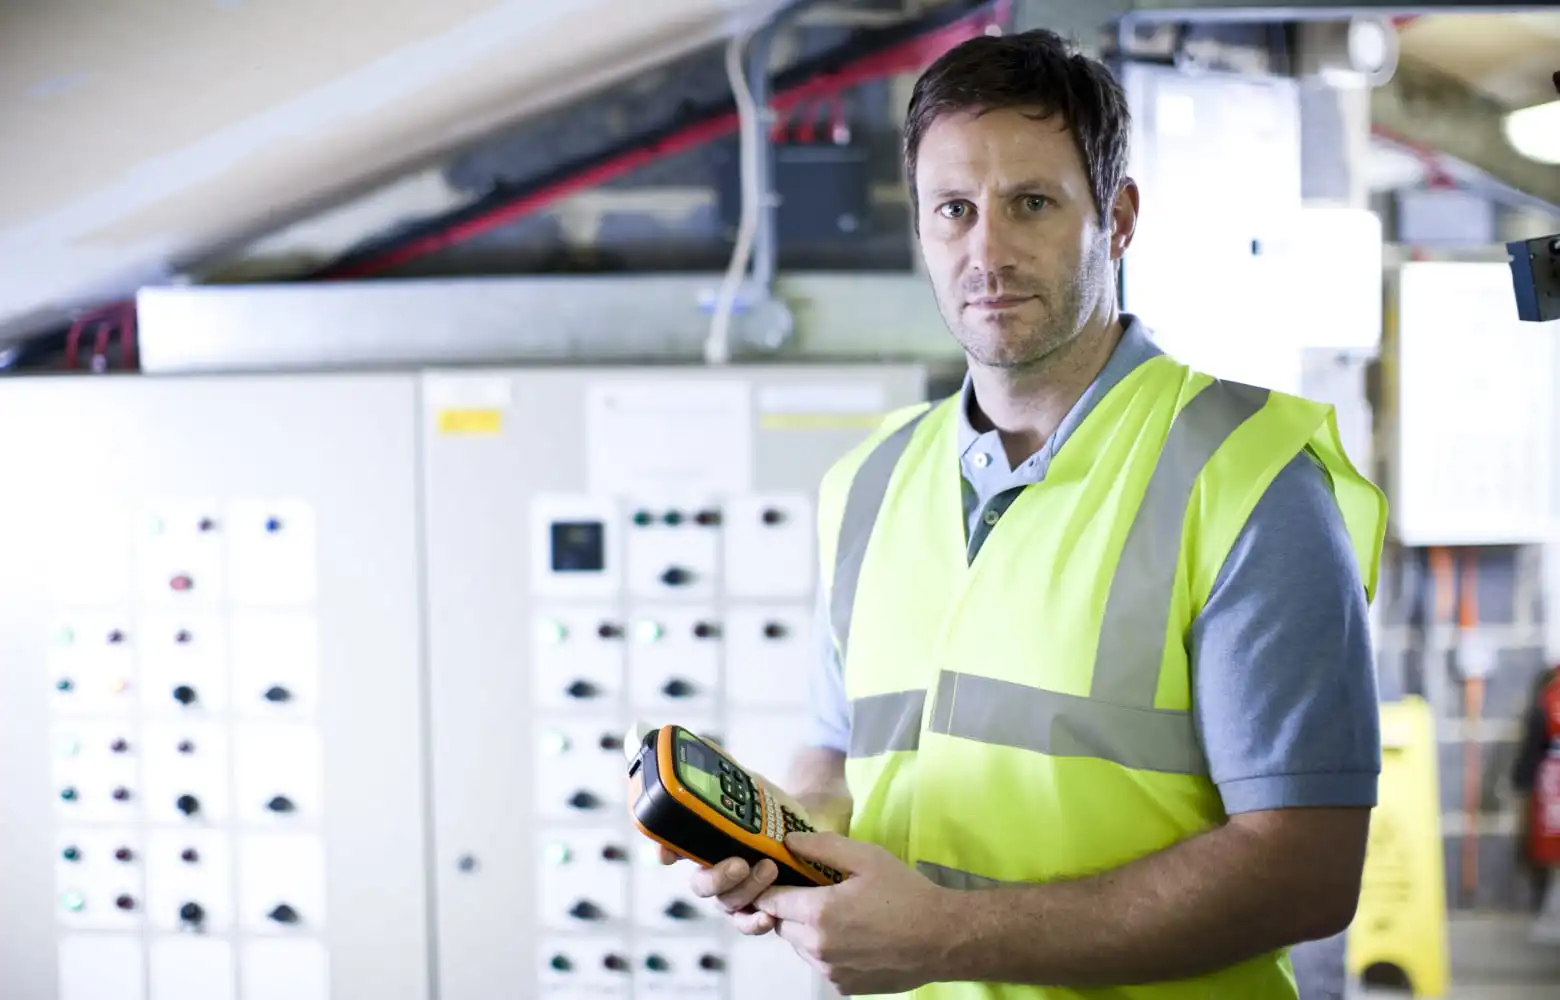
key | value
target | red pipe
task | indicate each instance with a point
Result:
(908, 56)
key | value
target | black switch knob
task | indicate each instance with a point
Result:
(607, 630)
(121, 794)
(125, 902)
(192, 913)
(610, 741)
(189, 855)
(655, 963)
(681, 910)
(184, 694)
(708, 518)
(189, 805)
(280, 804)
(615, 963)
(186, 747)
(561, 963)
(581, 689)
(676, 576)
(613, 853)
(773, 516)
(586, 910)
(277, 694)
(677, 689)
(284, 914)
(124, 854)
(711, 963)
(583, 800)
(706, 630)
(774, 630)
(119, 746)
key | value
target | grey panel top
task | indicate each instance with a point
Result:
(1283, 672)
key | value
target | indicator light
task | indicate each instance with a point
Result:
(181, 583)
(648, 631)
(73, 901)
(551, 632)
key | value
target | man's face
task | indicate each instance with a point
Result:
(1010, 235)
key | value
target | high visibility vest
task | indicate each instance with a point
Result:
(1026, 716)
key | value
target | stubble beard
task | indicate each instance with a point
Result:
(1018, 345)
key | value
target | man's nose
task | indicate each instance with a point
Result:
(992, 248)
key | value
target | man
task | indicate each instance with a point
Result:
(1100, 713)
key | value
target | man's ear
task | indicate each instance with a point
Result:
(1123, 218)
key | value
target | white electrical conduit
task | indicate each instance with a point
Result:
(717, 347)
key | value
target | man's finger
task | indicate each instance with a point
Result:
(753, 924)
(803, 939)
(791, 904)
(669, 857)
(708, 883)
(840, 853)
(762, 877)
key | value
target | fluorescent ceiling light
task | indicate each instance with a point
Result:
(1535, 132)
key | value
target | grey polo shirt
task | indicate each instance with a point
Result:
(1284, 689)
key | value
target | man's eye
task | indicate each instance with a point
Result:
(953, 210)
(1035, 202)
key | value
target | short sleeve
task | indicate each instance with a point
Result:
(829, 711)
(1285, 692)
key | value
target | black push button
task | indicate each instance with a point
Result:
(284, 914)
(711, 963)
(192, 913)
(677, 689)
(586, 910)
(581, 689)
(189, 805)
(276, 694)
(280, 804)
(583, 800)
(184, 694)
(676, 576)
(681, 910)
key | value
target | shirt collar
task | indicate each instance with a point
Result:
(1135, 347)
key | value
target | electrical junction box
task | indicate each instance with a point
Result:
(316, 685)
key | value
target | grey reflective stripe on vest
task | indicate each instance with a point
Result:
(1117, 722)
(884, 723)
(952, 878)
(1137, 611)
(1002, 713)
(862, 504)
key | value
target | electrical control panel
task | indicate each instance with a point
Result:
(606, 547)
(212, 733)
(317, 686)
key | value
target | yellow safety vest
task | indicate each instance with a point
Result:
(1027, 716)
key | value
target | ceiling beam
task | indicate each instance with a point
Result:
(1429, 110)
(1085, 20)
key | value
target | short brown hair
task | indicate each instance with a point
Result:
(1032, 69)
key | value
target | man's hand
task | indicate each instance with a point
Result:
(875, 932)
(734, 885)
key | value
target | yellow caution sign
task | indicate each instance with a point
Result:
(1401, 920)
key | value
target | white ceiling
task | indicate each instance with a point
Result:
(137, 135)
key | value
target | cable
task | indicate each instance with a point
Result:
(717, 346)
(1473, 710)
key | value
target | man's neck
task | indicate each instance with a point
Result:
(1026, 405)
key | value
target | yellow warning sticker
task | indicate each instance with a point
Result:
(486, 420)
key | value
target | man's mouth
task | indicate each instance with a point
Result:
(999, 301)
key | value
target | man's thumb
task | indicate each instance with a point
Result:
(840, 853)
